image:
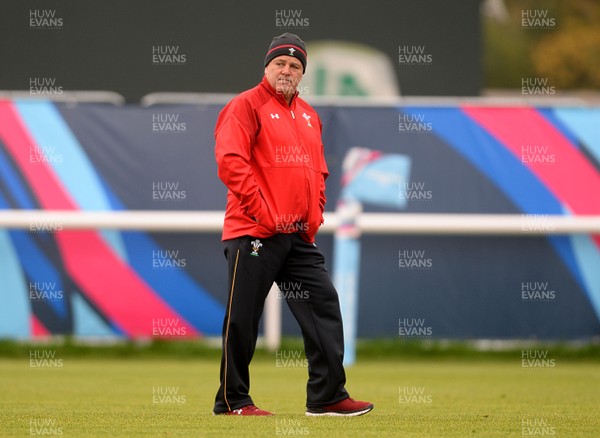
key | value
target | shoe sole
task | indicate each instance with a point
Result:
(340, 414)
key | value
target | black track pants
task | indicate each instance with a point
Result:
(254, 264)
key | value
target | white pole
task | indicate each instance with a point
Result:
(273, 319)
(346, 272)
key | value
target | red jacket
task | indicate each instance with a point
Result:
(270, 157)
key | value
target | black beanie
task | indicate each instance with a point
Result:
(287, 44)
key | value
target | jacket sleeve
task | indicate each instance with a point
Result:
(234, 137)
(325, 173)
(322, 199)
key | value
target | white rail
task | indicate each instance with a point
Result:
(71, 96)
(369, 223)
(498, 99)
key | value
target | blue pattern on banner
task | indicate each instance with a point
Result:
(37, 267)
(86, 321)
(68, 161)
(14, 311)
(491, 158)
(552, 118)
(40, 271)
(588, 257)
(502, 168)
(380, 182)
(12, 180)
(584, 123)
(173, 285)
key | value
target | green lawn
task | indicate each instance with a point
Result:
(417, 398)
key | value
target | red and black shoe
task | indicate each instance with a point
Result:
(246, 410)
(345, 408)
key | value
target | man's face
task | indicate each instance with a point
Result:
(284, 73)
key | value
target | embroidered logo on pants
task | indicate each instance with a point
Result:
(255, 247)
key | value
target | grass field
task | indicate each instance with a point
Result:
(78, 397)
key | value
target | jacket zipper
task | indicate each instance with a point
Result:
(306, 178)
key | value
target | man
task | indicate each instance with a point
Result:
(270, 157)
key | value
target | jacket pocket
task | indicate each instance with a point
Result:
(265, 224)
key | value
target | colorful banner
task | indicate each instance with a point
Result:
(528, 161)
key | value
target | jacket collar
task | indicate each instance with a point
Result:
(278, 96)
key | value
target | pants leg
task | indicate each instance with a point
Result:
(317, 310)
(252, 269)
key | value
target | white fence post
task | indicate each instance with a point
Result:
(273, 319)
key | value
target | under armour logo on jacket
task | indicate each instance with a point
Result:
(275, 116)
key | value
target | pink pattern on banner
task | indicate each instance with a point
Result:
(104, 278)
(37, 328)
(561, 167)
